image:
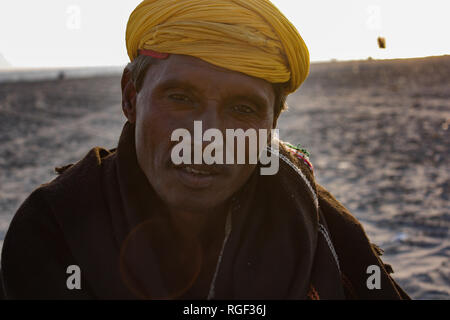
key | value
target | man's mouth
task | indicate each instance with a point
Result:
(191, 170)
(199, 169)
(197, 176)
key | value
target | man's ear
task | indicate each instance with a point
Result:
(274, 126)
(275, 123)
(128, 96)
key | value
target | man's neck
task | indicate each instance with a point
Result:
(207, 226)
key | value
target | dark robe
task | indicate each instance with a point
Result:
(286, 238)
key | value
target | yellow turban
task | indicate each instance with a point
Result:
(248, 36)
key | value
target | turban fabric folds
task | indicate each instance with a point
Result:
(249, 36)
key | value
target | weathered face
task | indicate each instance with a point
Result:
(175, 93)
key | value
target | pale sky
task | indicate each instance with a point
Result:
(55, 33)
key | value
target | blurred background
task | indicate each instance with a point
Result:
(374, 112)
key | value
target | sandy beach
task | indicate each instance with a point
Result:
(377, 130)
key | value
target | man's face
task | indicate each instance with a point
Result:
(175, 93)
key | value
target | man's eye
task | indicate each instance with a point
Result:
(180, 97)
(242, 108)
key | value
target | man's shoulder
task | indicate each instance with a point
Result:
(335, 210)
(75, 186)
(82, 171)
(38, 245)
(298, 156)
(355, 251)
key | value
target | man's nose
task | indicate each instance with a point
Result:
(210, 117)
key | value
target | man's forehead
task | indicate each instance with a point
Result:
(192, 71)
(180, 60)
(183, 63)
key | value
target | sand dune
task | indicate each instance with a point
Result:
(377, 131)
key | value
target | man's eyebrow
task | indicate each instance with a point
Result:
(257, 99)
(177, 83)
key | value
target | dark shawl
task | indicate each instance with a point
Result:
(289, 238)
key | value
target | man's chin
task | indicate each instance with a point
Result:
(182, 192)
(200, 205)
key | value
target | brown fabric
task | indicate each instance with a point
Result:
(102, 215)
(355, 251)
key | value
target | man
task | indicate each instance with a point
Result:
(135, 223)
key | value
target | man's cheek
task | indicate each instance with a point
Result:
(239, 174)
